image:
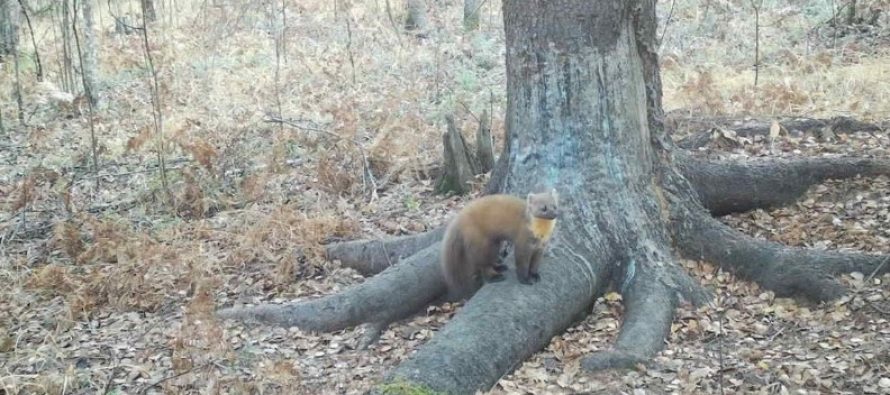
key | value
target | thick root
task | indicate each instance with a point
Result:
(370, 257)
(734, 186)
(503, 324)
(787, 271)
(648, 315)
(612, 359)
(395, 293)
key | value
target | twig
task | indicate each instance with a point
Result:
(156, 102)
(347, 17)
(117, 360)
(385, 253)
(877, 269)
(110, 381)
(436, 95)
(876, 308)
(467, 108)
(392, 21)
(667, 22)
(119, 20)
(775, 335)
(88, 92)
(278, 40)
(126, 173)
(171, 377)
(756, 6)
(33, 41)
(720, 351)
(18, 83)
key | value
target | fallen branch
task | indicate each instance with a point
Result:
(171, 377)
(749, 128)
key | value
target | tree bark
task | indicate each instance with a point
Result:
(459, 164)
(10, 42)
(416, 16)
(584, 117)
(472, 9)
(370, 258)
(90, 53)
(9, 27)
(727, 187)
(484, 149)
(148, 8)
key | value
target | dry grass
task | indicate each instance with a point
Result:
(109, 284)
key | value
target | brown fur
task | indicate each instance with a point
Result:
(473, 239)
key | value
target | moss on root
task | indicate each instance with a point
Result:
(402, 387)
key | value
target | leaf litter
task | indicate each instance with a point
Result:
(112, 290)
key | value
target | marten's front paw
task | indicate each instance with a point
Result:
(500, 268)
(525, 280)
(496, 278)
(535, 277)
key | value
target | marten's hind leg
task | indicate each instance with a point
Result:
(485, 257)
(499, 265)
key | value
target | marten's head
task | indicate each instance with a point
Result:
(543, 205)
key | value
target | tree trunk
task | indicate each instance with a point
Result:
(484, 148)
(416, 16)
(583, 116)
(472, 9)
(9, 41)
(9, 27)
(577, 115)
(148, 8)
(90, 53)
(67, 60)
(459, 163)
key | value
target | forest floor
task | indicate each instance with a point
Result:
(110, 278)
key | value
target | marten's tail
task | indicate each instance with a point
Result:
(456, 267)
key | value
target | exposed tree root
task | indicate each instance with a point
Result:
(504, 323)
(736, 186)
(395, 293)
(754, 127)
(574, 120)
(649, 311)
(787, 271)
(370, 257)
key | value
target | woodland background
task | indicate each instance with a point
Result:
(247, 134)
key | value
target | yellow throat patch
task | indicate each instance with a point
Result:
(542, 228)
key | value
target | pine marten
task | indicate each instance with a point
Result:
(473, 239)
